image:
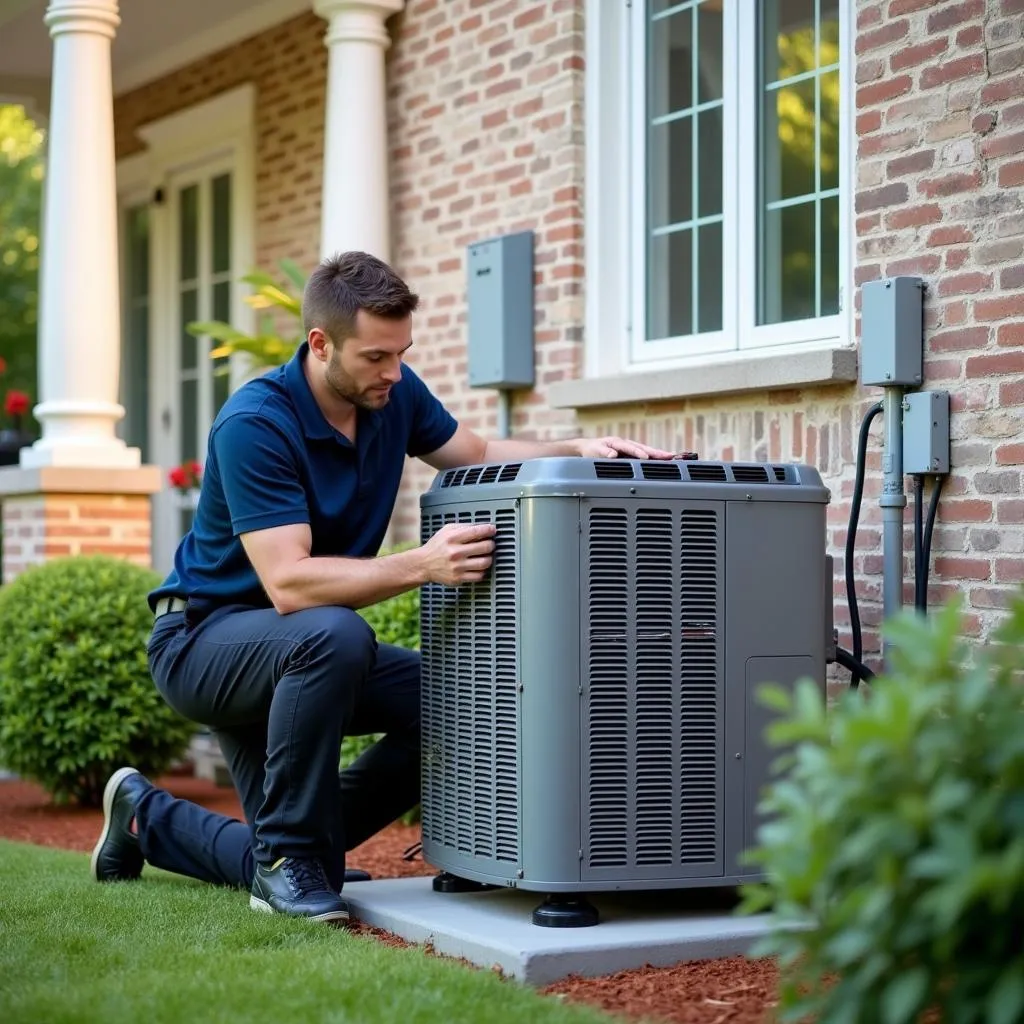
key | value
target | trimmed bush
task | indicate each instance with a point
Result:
(894, 854)
(76, 697)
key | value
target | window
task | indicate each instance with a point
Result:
(719, 200)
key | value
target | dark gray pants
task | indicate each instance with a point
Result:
(280, 692)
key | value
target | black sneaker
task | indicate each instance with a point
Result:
(298, 888)
(116, 856)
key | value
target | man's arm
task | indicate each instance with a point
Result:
(293, 579)
(467, 448)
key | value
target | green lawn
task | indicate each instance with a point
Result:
(168, 949)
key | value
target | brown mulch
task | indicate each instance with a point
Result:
(729, 991)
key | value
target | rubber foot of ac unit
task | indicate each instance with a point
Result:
(565, 912)
(445, 882)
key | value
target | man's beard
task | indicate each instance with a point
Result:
(344, 387)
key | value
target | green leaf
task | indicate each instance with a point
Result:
(903, 996)
(291, 270)
(1006, 1001)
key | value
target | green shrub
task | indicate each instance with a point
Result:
(76, 698)
(894, 853)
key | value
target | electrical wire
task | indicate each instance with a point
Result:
(919, 575)
(851, 537)
(858, 669)
(926, 541)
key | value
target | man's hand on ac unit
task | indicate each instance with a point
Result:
(614, 447)
(459, 553)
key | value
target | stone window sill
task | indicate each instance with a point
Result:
(751, 373)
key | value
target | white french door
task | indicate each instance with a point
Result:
(199, 283)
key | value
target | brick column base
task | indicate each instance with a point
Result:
(57, 511)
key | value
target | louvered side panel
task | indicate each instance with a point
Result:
(700, 693)
(656, 616)
(469, 712)
(607, 753)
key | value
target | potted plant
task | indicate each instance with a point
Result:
(13, 437)
(187, 479)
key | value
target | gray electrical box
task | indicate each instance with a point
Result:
(892, 332)
(499, 298)
(926, 432)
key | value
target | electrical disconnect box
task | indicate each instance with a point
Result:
(926, 432)
(499, 298)
(892, 332)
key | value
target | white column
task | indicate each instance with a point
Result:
(356, 199)
(79, 313)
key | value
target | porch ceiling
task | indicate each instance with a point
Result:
(154, 38)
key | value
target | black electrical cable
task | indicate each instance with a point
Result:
(858, 670)
(926, 542)
(919, 575)
(851, 537)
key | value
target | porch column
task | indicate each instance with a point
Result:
(356, 199)
(79, 313)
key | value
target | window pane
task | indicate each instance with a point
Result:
(670, 285)
(789, 263)
(188, 230)
(222, 223)
(684, 169)
(221, 311)
(799, 160)
(189, 344)
(134, 428)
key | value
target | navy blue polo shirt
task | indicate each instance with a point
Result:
(274, 460)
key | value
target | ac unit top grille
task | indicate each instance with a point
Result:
(563, 475)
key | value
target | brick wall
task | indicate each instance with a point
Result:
(486, 122)
(37, 528)
(288, 66)
(491, 141)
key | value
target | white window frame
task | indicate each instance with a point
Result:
(615, 230)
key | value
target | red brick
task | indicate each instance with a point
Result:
(949, 14)
(1010, 455)
(1011, 7)
(869, 121)
(955, 313)
(950, 235)
(969, 37)
(913, 216)
(1010, 336)
(1006, 89)
(968, 339)
(963, 568)
(1003, 145)
(965, 510)
(1011, 175)
(952, 70)
(922, 160)
(911, 55)
(1009, 570)
(879, 37)
(1011, 393)
(1012, 278)
(1001, 61)
(880, 92)
(914, 265)
(989, 366)
(1011, 512)
(966, 284)
(887, 195)
(999, 309)
(984, 123)
(950, 184)
(872, 145)
(900, 7)
(868, 16)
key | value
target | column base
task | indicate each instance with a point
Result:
(95, 457)
(55, 512)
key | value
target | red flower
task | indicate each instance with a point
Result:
(16, 403)
(178, 477)
(186, 476)
(193, 468)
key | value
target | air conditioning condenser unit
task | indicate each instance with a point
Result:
(590, 711)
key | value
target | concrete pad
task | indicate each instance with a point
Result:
(495, 928)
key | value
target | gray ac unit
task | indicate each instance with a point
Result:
(590, 717)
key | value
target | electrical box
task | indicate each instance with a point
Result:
(499, 298)
(892, 332)
(926, 432)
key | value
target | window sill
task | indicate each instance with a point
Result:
(752, 373)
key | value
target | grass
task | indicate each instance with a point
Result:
(170, 949)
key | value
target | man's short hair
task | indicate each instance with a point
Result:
(348, 282)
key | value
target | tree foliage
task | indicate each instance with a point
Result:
(21, 199)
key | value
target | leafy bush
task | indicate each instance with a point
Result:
(894, 853)
(76, 698)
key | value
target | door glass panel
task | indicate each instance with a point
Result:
(134, 428)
